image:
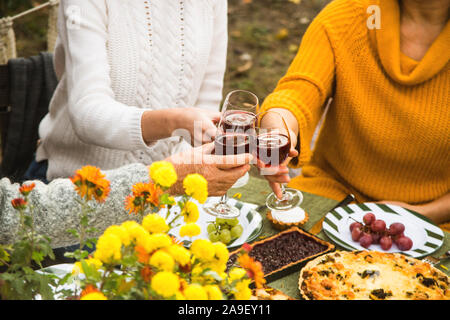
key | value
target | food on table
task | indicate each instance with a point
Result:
(268, 293)
(374, 275)
(375, 231)
(285, 219)
(284, 252)
(224, 230)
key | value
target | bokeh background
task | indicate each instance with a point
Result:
(263, 37)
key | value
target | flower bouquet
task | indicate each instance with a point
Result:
(140, 260)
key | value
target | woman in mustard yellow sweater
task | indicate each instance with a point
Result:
(386, 135)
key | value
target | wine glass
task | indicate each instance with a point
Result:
(272, 146)
(228, 143)
(239, 115)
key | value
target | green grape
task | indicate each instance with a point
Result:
(211, 228)
(221, 221)
(232, 222)
(225, 236)
(236, 231)
(214, 237)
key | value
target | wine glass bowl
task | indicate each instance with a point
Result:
(234, 136)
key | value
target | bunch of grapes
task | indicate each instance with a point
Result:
(224, 230)
(374, 231)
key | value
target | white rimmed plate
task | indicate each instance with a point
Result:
(426, 236)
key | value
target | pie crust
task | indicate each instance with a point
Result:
(371, 275)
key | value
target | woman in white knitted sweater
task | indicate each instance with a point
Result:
(131, 73)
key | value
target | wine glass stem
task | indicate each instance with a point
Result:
(224, 199)
(285, 196)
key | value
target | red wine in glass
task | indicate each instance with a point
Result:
(238, 121)
(272, 149)
(232, 144)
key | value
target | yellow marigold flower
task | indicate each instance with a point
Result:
(154, 241)
(190, 212)
(221, 253)
(179, 296)
(108, 248)
(77, 267)
(195, 292)
(94, 296)
(236, 274)
(165, 284)
(213, 292)
(134, 230)
(154, 223)
(180, 254)
(121, 232)
(90, 183)
(203, 249)
(196, 187)
(190, 230)
(243, 292)
(163, 173)
(217, 267)
(162, 260)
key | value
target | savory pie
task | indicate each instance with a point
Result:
(365, 275)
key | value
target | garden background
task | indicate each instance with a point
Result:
(263, 37)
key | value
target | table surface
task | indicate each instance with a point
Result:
(256, 191)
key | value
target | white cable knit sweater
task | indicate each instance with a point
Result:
(117, 58)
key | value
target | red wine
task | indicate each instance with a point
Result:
(272, 148)
(232, 144)
(239, 121)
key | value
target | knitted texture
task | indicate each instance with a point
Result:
(386, 135)
(56, 208)
(116, 59)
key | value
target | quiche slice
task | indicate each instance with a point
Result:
(364, 275)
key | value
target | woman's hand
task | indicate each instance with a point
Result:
(195, 125)
(277, 175)
(199, 123)
(438, 210)
(221, 172)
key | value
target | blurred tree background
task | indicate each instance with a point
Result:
(263, 37)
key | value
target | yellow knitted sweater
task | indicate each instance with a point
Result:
(386, 135)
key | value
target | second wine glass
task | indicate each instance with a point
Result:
(272, 147)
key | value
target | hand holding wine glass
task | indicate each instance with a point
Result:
(273, 152)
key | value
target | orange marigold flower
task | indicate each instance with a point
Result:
(134, 204)
(26, 188)
(149, 191)
(89, 289)
(142, 255)
(253, 268)
(146, 273)
(90, 183)
(19, 203)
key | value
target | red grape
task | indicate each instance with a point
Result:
(396, 228)
(356, 233)
(397, 236)
(385, 243)
(365, 240)
(378, 226)
(376, 237)
(355, 224)
(369, 218)
(404, 243)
